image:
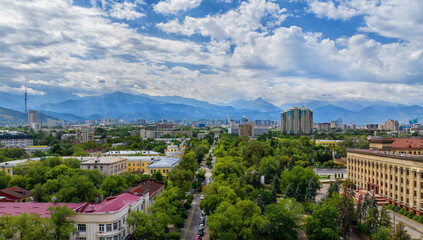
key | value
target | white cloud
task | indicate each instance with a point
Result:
(125, 10)
(175, 6)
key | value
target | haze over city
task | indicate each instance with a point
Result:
(218, 51)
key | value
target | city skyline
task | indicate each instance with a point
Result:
(217, 51)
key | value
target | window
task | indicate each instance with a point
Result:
(80, 238)
(81, 227)
(115, 226)
(123, 221)
(109, 227)
(101, 227)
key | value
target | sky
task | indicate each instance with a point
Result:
(284, 51)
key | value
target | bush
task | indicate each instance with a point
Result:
(174, 236)
(389, 206)
(187, 205)
(421, 219)
(397, 209)
(180, 222)
(401, 211)
(190, 198)
(411, 215)
(184, 214)
(416, 218)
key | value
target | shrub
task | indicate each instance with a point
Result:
(389, 206)
(411, 215)
(187, 205)
(184, 214)
(416, 218)
(421, 219)
(397, 209)
(180, 222)
(190, 198)
(174, 236)
(401, 211)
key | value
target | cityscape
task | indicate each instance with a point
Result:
(211, 119)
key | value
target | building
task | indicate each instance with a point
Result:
(163, 165)
(16, 141)
(410, 146)
(297, 121)
(146, 134)
(372, 126)
(396, 177)
(106, 165)
(128, 153)
(31, 149)
(151, 186)
(32, 117)
(14, 194)
(327, 143)
(246, 130)
(323, 127)
(84, 134)
(139, 163)
(173, 150)
(390, 125)
(99, 221)
(8, 167)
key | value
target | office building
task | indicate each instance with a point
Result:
(297, 121)
(397, 177)
(32, 117)
(16, 141)
(106, 165)
(84, 134)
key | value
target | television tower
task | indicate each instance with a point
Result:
(25, 98)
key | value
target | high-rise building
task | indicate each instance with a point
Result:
(297, 120)
(85, 134)
(32, 117)
(246, 130)
(391, 125)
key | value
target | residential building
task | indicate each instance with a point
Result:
(390, 125)
(410, 146)
(163, 165)
(14, 194)
(151, 186)
(32, 117)
(322, 127)
(297, 121)
(16, 140)
(372, 126)
(31, 149)
(106, 165)
(327, 143)
(85, 134)
(246, 129)
(397, 177)
(146, 134)
(128, 153)
(8, 167)
(100, 221)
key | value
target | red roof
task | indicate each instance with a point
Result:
(14, 193)
(111, 204)
(407, 143)
(151, 186)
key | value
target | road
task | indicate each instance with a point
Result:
(192, 224)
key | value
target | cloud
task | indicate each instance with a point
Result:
(125, 10)
(175, 6)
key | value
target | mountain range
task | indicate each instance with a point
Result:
(128, 107)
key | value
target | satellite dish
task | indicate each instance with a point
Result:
(54, 198)
(32, 199)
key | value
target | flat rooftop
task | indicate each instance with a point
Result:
(386, 154)
(104, 160)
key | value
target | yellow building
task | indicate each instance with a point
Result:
(396, 177)
(8, 167)
(138, 163)
(175, 151)
(327, 143)
(163, 165)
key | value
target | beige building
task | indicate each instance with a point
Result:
(390, 125)
(106, 165)
(246, 130)
(296, 121)
(85, 134)
(32, 117)
(396, 177)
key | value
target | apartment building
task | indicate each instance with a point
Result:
(296, 121)
(397, 177)
(106, 165)
(139, 163)
(84, 134)
(16, 140)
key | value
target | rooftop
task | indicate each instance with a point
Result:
(150, 186)
(15, 193)
(407, 143)
(104, 160)
(165, 162)
(387, 154)
(143, 152)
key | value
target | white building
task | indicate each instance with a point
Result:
(16, 141)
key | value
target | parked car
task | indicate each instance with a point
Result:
(201, 218)
(203, 221)
(198, 237)
(203, 213)
(200, 232)
(201, 197)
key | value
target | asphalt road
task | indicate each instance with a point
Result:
(193, 221)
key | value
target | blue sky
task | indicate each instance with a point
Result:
(285, 51)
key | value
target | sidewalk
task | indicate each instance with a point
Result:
(413, 228)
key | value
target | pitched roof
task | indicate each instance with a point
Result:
(407, 143)
(111, 204)
(15, 193)
(14, 208)
(151, 186)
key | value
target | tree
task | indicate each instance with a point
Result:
(113, 184)
(322, 224)
(77, 189)
(61, 224)
(311, 191)
(4, 180)
(289, 193)
(39, 193)
(346, 211)
(158, 176)
(31, 226)
(298, 195)
(276, 184)
(174, 236)
(400, 232)
(298, 176)
(284, 219)
(382, 233)
(269, 167)
(146, 227)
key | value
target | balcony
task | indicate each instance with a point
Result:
(110, 233)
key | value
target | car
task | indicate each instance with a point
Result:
(198, 237)
(201, 226)
(201, 218)
(200, 232)
(201, 197)
(203, 221)
(203, 213)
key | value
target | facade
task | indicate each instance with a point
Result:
(246, 129)
(32, 117)
(151, 186)
(127, 153)
(163, 165)
(100, 221)
(139, 163)
(395, 176)
(372, 126)
(327, 143)
(321, 127)
(391, 125)
(106, 165)
(85, 134)
(31, 149)
(409, 146)
(16, 141)
(174, 151)
(297, 121)
(158, 133)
